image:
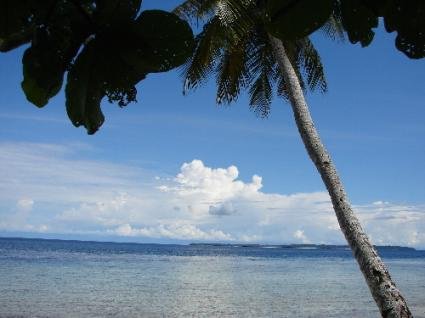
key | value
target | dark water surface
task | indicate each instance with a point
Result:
(53, 278)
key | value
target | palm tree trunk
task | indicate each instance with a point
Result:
(388, 298)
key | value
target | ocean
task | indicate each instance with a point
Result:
(55, 278)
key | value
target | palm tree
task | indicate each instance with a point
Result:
(235, 46)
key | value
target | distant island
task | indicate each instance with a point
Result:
(210, 244)
(301, 246)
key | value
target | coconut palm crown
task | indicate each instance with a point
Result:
(234, 47)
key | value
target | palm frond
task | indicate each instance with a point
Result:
(236, 14)
(261, 95)
(196, 9)
(231, 73)
(261, 74)
(333, 29)
(312, 65)
(282, 88)
(205, 56)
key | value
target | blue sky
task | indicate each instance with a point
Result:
(180, 168)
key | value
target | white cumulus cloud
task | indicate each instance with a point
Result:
(299, 234)
(44, 188)
(174, 231)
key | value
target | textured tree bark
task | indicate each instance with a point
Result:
(388, 298)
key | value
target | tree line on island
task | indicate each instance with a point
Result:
(106, 47)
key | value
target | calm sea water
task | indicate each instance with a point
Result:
(52, 278)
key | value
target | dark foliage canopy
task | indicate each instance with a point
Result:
(105, 47)
(290, 19)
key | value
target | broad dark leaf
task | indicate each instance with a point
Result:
(110, 12)
(99, 71)
(157, 41)
(54, 44)
(45, 63)
(14, 16)
(294, 19)
(162, 41)
(84, 91)
(117, 76)
(16, 40)
(18, 20)
(408, 19)
(358, 20)
(39, 85)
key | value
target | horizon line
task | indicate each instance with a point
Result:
(212, 243)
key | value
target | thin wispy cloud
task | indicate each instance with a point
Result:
(50, 172)
(54, 120)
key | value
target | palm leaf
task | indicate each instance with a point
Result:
(261, 74)
(207, 51)
(333, 28)
(196, 9)
(261, 95)
(312, 65)
(231, 73)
